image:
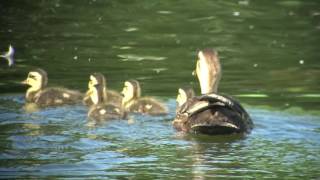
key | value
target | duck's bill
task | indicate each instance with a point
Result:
(24, 82)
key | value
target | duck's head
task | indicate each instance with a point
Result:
(37, 79)
(97, 79)
(131, 91)
(97, 88)
(183, 95)
(208, 71)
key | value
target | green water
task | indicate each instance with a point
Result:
(270, 58)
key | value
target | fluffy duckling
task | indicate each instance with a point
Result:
(133, 102)
(183, 95)
(211, 113)
(42, 96)
(99, 110)
(108, 96)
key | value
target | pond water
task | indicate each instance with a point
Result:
(270, 60)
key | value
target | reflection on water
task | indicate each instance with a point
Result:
(62, 142)
(269, 53)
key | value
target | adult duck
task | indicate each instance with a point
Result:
(211, 113)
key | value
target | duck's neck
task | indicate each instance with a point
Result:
(209, 80)
(96, 96)
(105, 94)
(31, 92)
(96, 100)
(207, 89)
(126, 104)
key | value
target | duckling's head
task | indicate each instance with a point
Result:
(131, 91)
(37, 79)
(97, 89)
(183, 95)
(99, 79)
(208, 71)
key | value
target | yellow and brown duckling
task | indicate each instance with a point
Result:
(133, 102)
(100, 110)
(211, 113)
(108, 96)
(42, 96)
(184, 94)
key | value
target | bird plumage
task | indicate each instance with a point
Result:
(211, 113)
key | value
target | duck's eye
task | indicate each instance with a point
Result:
(32, 76)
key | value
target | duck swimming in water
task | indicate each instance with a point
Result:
(108, 96)
(133, 102)
(100, 110)
(211, 113)
(42, 96)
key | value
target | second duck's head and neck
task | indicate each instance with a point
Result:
(208, 71)
(131, 92)
(37, 80)
(97, 80)
(97, 89)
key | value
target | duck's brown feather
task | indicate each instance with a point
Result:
(106, 112)
(213, 115)
(55, 96)
(148, 105)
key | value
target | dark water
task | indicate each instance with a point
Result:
(270, 57)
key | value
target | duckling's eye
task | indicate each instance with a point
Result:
(32, 76)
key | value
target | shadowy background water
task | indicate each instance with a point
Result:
(270, 57)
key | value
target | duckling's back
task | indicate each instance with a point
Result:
(57, 96)
(106, 112)
(148, 105)
(114, 98)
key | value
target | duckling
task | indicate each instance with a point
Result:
(109, 96)
(42, 96)
(133, 102)
(211, 113)
(184, 94)
(99, 110)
